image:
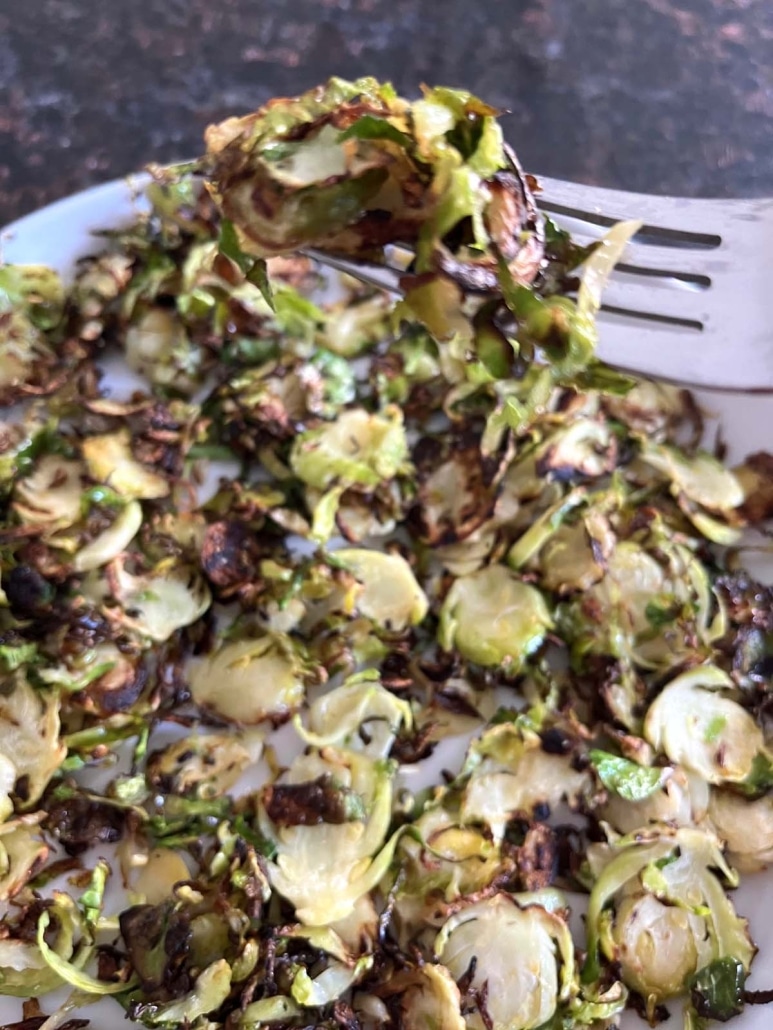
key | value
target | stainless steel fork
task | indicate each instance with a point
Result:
(692, 300)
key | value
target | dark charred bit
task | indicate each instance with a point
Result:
(758, 997)
(309, 804)
(230, 556)
(556, 742)
(158, 439)
(158, 940)
(118, 689)
(570, 853)
(471, 277)
(756, 475)
(28, 592)
(396, 672)
(450, 700)
(481, 1003)
(344, 1016)
(79, 823)
(527, 183)
(22, 788)
(537, 858)
(639, 1005)
(457, 489)
(440, 669)
(111, 962)
(465, 981)
(415, 747)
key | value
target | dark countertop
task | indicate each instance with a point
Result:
(661, 95)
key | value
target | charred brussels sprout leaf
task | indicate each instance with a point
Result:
(717, 990)
(253, 269)
(324, 868)
(309, 804)
(158, 939)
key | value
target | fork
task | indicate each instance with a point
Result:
(691, 301)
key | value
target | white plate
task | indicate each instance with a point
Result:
(61, 233)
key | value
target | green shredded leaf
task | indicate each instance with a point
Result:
(717, 990)
(69, 972)
(93, 897)
(254, 269)
(629, 780)
(13, 656)
(368, 126)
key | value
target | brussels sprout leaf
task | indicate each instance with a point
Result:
(370, 127)
(253, 269)
(717, 990)
(627, 779)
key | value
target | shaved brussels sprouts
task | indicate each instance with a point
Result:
(429, 997)
(249, 681)
(358, 449)
(53, 495)
(659, 910)
(31, 303)
(112, 542)
(323, 868)
(22, 853)
(390, 595)
(494, 618)
(202, 766)
(159, 602)
(696, 725)
(486, 934)
(702, 479)
(681, 798)
(649, 607)
(443, 855)
(157, 346)
(109, 459)
(24, 969)
(7, 781)
(359, 716)
(745, 826)
(364, 624)
(568, 560)
(511, 774)
(209, 992)
(586, 448)
(30, 736)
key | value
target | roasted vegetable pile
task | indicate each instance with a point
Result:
(254, 604)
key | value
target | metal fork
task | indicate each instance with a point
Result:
(692, 300)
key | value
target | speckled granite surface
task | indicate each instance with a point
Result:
(666, 95)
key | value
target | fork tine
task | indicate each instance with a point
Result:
(682, 355)
(648, 348)
(678, 215)
(690, 262)
(681, 306)
(383, 277)
(677, 304)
